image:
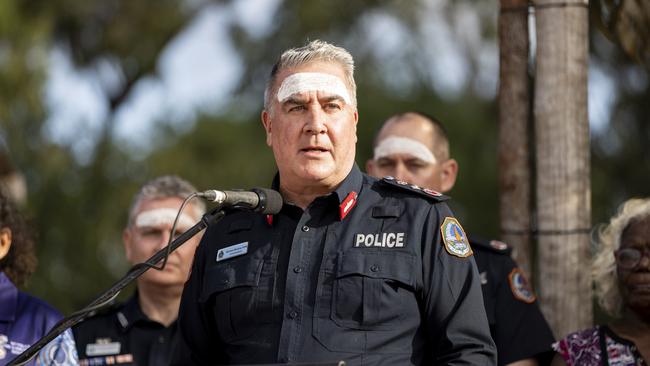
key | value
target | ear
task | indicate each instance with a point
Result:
(5, 241)
(127, 240)
(266, 122)
(448, 174)
(356, 121)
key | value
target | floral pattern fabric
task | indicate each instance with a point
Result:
(596, 347)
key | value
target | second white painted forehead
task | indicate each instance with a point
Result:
(312, 81)
(403, 145)
(162, 216)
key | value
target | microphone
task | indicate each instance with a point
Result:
(262, 200)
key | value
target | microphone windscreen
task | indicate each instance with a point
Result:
(272, 198)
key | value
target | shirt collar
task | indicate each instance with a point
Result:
(351, 183)
(130, 313)
(8, 299)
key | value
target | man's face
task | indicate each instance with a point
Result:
(149, 232)
(405, 151)
(312, 132)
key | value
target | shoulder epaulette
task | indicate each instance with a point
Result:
(495, 246)
(426, 192)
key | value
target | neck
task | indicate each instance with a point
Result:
(305, 195)
(160, 304)
(634, 323)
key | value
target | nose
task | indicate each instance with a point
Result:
(315, 123)
(402, 173)
(644, 262)
(164, 239)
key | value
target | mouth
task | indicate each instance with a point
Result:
(314, 150)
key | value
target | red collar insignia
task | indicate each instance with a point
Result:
(347, 205)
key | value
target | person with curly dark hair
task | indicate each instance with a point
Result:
(24, 319)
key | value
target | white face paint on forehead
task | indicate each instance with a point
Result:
(404, 145)
(312, 81)
(162, 216)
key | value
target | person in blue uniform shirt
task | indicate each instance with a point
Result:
(24, 319)
(414, 147)
(143, 330)
(371, 272)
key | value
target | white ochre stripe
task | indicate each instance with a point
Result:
(312, 81)
(404, 145)
(162, 216)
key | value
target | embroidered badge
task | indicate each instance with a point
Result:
(454, 238)
(232, 251)
(520, 286)
(431, 192)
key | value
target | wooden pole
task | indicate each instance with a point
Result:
(562, 161)
(513, 152)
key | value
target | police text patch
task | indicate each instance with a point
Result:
(454, 238)
(382, 240)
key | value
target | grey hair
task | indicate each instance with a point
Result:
(603, 269)
(166, 186)
(314, 51)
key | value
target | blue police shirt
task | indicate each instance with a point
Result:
(383, 278)
(24, 319)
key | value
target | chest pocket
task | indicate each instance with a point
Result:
(373, 291)
(232, 290)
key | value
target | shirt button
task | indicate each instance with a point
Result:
(293, 314)
(374, 268)
(305, 228)
(161, 339)
(297, 269)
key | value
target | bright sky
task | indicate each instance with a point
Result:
(200, 68)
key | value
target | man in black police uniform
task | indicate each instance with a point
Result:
(143, 331)
(355, 269)
(414, 147)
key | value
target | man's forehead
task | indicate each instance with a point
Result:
(295, 85)
(398, 145)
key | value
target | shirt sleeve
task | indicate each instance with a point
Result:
(453, 304)
(521, 330)
(195, 318)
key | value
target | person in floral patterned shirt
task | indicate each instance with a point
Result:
(621, 272)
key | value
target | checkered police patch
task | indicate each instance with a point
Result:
(454, 238)
(520, 286)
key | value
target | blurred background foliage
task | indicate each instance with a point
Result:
(77, 198)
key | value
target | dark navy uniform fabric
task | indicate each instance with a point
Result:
(516, 321)
(24, 319)
(124, 335)
(370, 283)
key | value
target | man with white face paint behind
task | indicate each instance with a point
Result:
(355, 269)
(414, 147)
(143, 331)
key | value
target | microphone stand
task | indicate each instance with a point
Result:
(105, 298)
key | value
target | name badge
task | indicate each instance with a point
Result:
(232, 251)
(103, 349)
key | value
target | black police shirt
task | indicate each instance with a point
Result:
(375, 273)
(516, 322)
(123, 335)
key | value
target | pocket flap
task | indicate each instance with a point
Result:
(229, 275)
(391, 266)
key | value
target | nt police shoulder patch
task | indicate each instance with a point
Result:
(454, 238)
(426, 192)
(520, 286)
